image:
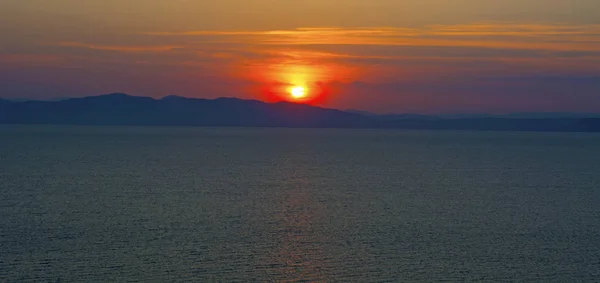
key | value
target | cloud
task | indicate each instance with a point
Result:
(28, 58)
(124, 48)
(399, 53)
(494, 36)
(370, 45)
(450, 30)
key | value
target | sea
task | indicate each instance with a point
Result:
(170, 204)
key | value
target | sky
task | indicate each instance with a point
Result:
(383, 56)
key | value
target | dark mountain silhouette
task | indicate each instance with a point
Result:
(122, 109)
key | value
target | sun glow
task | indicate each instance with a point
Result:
(296, 81)
(298, 92)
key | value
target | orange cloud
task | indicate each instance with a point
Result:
(500, 36)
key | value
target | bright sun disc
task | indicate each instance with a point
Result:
(298, 92)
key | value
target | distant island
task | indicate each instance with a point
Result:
(123, 109)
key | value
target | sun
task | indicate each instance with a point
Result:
(298, 92)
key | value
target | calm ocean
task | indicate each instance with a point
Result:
(129, 204)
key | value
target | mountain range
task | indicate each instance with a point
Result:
(123, 109)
